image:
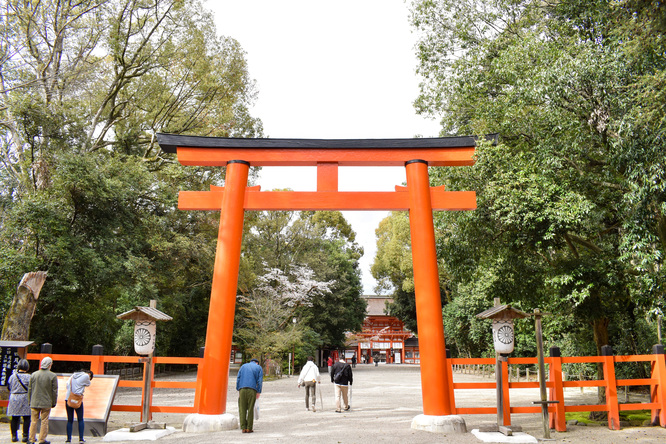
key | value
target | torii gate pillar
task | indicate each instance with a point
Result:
(215, 369)
(432, 348)
(327, 155)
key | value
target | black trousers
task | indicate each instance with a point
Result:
(16, 421)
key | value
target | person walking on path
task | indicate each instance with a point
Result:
(342, 376)
(329, 364)
(19, 405)
(76, 385)
(310, 377)
(248, 384)
(43, 395)
(353, 359)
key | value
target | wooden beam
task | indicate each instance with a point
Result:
(327, 176)
(459, 156)
(328, 200)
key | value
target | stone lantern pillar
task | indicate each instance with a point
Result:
(144, 344)
(503, 341)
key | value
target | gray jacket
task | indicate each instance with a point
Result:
(43, 389)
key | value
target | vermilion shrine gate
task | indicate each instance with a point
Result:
(418, 197)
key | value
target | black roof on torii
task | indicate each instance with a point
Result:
(169, 142)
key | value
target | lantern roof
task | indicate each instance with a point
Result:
(502, 312)
(144, 314)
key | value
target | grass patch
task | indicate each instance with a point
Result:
(634, 417)
(581, 417)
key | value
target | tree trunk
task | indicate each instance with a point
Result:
(17, 322)
(600, 328)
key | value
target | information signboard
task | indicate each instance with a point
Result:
(9, 361)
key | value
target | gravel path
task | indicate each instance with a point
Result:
(385, 399)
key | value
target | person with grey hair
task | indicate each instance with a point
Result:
(43, 396)
(18, 406)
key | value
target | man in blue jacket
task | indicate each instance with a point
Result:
(248, 383)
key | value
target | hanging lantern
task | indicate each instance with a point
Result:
(144, 337)
(503, 335)
(145, 326)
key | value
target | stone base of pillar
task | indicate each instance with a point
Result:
(440, 424)
(198, 423)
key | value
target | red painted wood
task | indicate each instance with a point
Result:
(328, 200)
(311, 157)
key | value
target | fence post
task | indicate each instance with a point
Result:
(449, 382)
(198, 390)
(612, 405)
(658, 389)
(97, 360)
(558, 420)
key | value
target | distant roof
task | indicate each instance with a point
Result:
(169, 142)
(376, 304)
(412, 342)
(142, 313)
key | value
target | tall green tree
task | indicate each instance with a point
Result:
(324, 243)
(393, 268)
(85, 192)
(571, 201)
(266, 328)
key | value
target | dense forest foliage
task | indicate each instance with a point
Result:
(87, 195)
(571, 214)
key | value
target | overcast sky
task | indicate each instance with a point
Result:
(331, 70)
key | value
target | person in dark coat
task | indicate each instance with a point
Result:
(342, 377)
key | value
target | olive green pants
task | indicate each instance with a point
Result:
(246, 399)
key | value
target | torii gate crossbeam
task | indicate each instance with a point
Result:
(327, 155)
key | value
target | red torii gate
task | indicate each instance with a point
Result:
(327, 155)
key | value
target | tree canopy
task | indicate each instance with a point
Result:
(85, 191)
(571, 201)
(317, 248)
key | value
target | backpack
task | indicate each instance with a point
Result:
(338, 376)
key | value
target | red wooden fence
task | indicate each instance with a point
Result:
(97, 366)
(555, 383)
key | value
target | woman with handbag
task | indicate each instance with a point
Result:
(19, 405)
(76, 385)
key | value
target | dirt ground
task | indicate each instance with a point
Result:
(384, 401)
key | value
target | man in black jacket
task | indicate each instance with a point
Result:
(342, 377)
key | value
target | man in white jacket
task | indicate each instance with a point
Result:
(310, 377)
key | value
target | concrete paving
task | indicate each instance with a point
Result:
(385, 400)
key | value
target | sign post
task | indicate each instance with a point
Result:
(503, 340)
(144, 344)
